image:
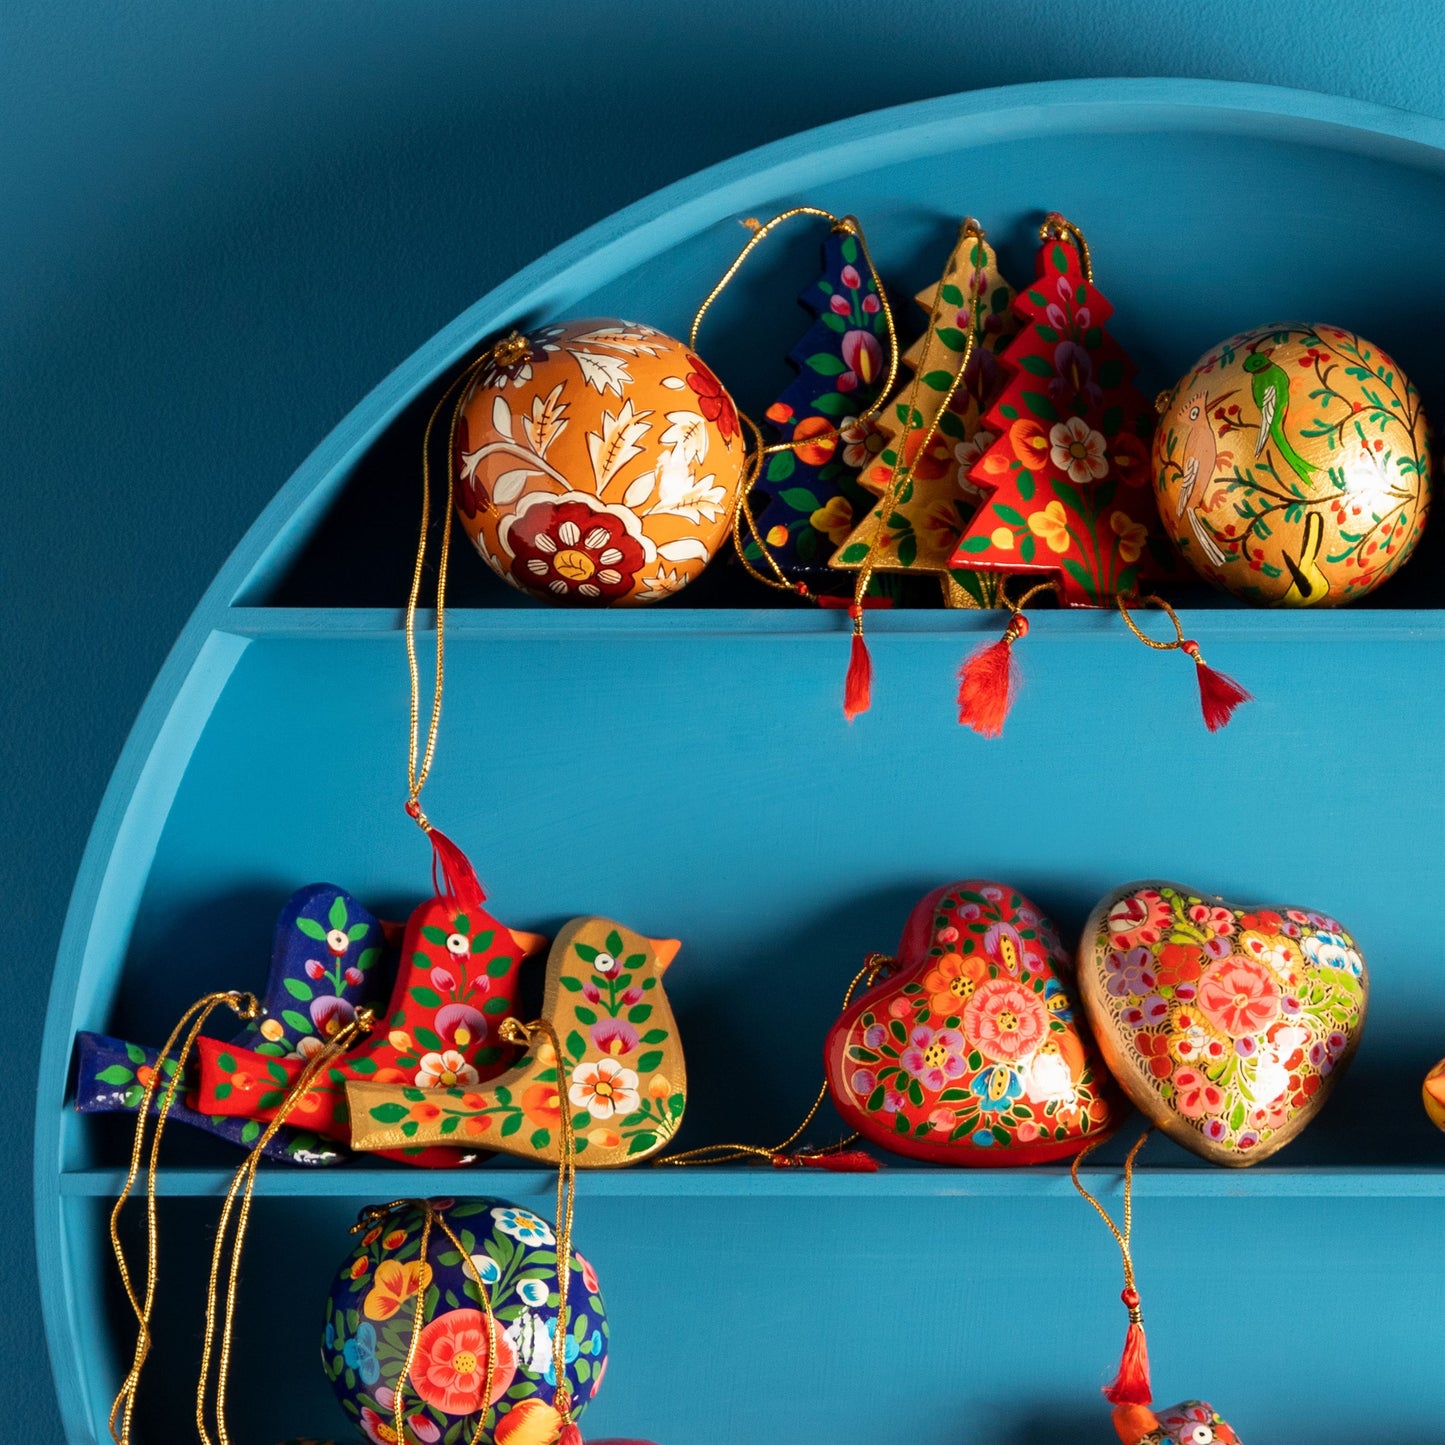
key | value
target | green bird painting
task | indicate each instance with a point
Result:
(1271, 396)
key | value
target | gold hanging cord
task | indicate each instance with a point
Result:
(1060, 228)
(241, 1186)
(1122, 1237)
(246, 1007)
(514, 1031)
(876, 964)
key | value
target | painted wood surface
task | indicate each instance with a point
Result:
(709, 802)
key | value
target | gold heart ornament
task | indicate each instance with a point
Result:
(1227, 1026)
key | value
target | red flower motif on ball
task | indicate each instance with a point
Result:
(574, 552)
(450, 1369)
(712, 401)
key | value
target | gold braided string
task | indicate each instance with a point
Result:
(419, 767)
(432, 1217)
(1122, 1237)
(242, 1186)
(876, 964)
(246, 1007)
(846, 225)
(1059, 228)
(514, 1031)
(902, 470)
(1187, 645)
(753, 463)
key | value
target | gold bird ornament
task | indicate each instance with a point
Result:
(606, 1048)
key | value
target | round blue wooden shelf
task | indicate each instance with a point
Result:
(687, 769)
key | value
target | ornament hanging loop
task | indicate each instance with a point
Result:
(753, 462)
(1059, 228)
(1132, 1385)
(846, 224)
(1219, 694)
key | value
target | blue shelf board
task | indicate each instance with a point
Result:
(1375, 1182)
(1085, 624)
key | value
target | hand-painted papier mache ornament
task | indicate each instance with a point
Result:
(806, 498)
(1293, 465)
(937, 500)
(1226, 1025)
(456, 985)
(621, 1073)
(405, 1259)
(1066, 471)
(596, 462)
(330, 957)
(971, 1050)
(1192, 1422)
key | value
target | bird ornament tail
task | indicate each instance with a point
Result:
(620, 1072)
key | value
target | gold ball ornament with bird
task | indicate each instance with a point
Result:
(596, 462)
(1292, 465)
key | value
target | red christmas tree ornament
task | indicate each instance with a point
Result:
(1067, 476)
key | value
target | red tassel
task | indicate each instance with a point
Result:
(1219, 694)
(849, 1161)
(988, 680)
(858, 690)
(1131, 1386)
(452, 874)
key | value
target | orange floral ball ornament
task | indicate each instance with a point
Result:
(1292, 466)
(597, 463)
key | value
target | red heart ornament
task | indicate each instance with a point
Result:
(972, 1049)
(1227, 1026)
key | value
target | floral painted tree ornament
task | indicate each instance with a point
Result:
(808, 495)
(971, 1049)
(858, 684)
(620, 1073)
(1227, 1025)
(446, 1321)
(330, 957)
(938, 499)
(1293, 465)
(1190, 1423)
(1066, 475)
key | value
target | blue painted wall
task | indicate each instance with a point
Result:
(221, 224)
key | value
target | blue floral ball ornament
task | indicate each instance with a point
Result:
(370, 1316)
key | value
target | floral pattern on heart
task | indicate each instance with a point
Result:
(1227, 1026)
(972, 1050)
